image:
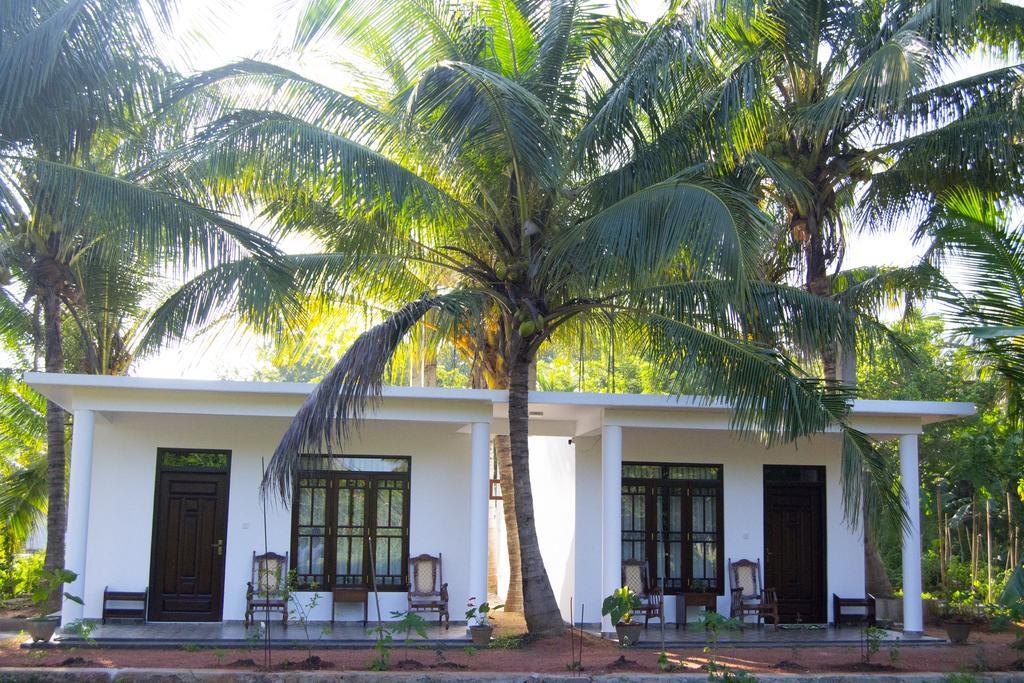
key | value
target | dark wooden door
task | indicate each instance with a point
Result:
(190, 533)
(794, 541)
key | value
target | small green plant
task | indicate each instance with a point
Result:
(999, 618)
(894, 653)
(508, 641)
(480, 614)
(619, 606)
(663, 663)
(960, 607)
(50, 584)
(252, 639)
(190, 647)
(382, 658)
(870, 642)
(469, 651)
(37, 654)
(960, 677)
(409, 623)
(720, 672)
(301, 609)
(714, 623)
(220, 655)
(81, 628)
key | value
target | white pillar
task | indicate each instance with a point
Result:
(910, 481)
(479, 494)
(79, 488)
(611, 507)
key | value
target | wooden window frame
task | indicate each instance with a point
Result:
(370, 522)
(685, 486)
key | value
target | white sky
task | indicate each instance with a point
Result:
(209, 33)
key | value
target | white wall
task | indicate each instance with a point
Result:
(743, 491)
(552, 476)
(123, 486)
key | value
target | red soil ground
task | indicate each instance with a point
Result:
(985, 651)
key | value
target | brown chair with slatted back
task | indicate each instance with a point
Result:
(636, 577)
(427, 590)
(268, 590)
(748, 595)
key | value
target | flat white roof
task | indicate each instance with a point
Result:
(152, 394)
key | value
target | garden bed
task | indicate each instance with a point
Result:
(985, 652)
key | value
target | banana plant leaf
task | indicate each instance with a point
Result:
(1013, 594)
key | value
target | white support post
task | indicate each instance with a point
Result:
(611, 506)
(79, 489)
(910, 481)
(479, 494)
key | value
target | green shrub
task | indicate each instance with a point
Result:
(22, 577)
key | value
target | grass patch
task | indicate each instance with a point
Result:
(511, 641)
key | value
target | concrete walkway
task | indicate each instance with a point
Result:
(40, 675)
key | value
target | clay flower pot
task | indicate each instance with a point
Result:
(41, 628)
(481, 634)
(629, 634)
(958, 631)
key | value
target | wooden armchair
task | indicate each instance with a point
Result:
(268, 590)
(636, 577)
(427, 590)
(748, 595)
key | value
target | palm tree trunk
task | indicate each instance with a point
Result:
(539, 606)
(818, 284)
(489, 365)
(988, 550)
(56, 509)
(514, 597)
(876, 579)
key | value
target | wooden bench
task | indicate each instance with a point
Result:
(138, 612)
(867, 616)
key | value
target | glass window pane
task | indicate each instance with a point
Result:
(319, 505)
(193, 460)
(324, 463)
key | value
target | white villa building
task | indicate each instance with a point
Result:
(165, 475)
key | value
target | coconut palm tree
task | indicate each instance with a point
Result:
(73, 74)
(977, 234)
(475, 180)
(846, 114)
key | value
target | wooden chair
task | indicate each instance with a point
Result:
(268, 590)
(748, 595)
(427, 590)
(636, 577)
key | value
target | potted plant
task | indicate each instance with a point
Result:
(959, 615)
(619, 606)
(479, 620)
(48, 585)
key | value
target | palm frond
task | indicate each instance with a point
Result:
(714, 228)
(473, 110)
(769, 395)
(125, 217)
(328, 417)
(263, 156)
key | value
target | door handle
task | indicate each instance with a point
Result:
(219, 545)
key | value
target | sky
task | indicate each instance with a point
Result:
(210, 33)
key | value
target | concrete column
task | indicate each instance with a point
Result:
(79, 489)
(913, 621)
(611, 507)
(479, 494)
